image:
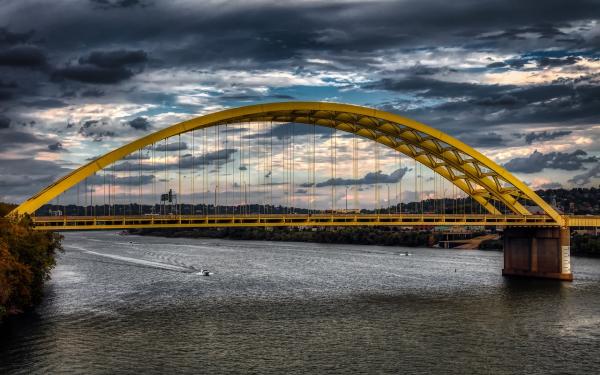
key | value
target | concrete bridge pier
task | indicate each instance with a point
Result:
(538, 252)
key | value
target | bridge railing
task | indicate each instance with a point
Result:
(297, 220)
(582, 221)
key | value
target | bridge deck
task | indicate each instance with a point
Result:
(300, 220)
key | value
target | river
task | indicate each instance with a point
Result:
(131, 304)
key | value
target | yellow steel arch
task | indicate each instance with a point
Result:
(459, 163)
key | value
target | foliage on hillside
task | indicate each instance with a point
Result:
(26, 259)
(578, 201)
(585, 244)
(363, 236)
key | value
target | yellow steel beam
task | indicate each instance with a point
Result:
(307, 112)
(288, 220)
(583, 221)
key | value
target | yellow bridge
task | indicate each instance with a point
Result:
(304, 220)
(536, 234)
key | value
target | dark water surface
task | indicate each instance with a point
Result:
(272, 307)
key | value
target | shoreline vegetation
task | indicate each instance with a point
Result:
(577, 201)
(26, 259)
(385, 236)
(581, 244)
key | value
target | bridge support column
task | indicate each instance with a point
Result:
(538, 252)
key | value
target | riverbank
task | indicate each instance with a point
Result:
(358, 236)
(26, 259)
(381, 236)
(581, 244)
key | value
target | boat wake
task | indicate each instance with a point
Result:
(141, 262)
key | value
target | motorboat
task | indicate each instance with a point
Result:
(203, 272)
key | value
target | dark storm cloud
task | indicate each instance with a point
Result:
(132, 180)
(94, 129)
(45, 103)
(116, 4)
(93, 74)
(250, 97)
(140, 123)
(551, 185)
(467, 106)
(134, 156)
(92, 93)
(434, 88)
(100, 179)
(541, 30)
(56, 147)
(187, 162)
(491, 139)
(4, 122)
(586, 177)
(497, 64)
(281, 131)
(248, 33)
(554, 62)
(20, 178)
(484, 95)
(24, 56)
(134, 167)
(541, 61)
(370, 178)
(537, 161)
(114, 59)
(7, 89)
(104, 67)
(545, 136)
(173, 146)
(13, 139)
(10, 38)
(217, 158)
(262, 34)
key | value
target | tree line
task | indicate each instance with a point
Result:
(26, 259)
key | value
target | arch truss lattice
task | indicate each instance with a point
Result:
(472, 172)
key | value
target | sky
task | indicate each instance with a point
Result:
(517, 80)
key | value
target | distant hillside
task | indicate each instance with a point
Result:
(579, 201)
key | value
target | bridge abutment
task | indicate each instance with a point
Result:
(538, 252)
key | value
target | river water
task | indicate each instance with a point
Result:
(130, 304)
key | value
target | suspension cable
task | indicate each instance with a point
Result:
(193, 187)
(332, 168)
(377, 199)
(355, 169)
(271, 166)
(226, 169)
(314, 177)
(204, 174)
(403, 173)
(140, 202)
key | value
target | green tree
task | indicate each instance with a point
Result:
(26, 258)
